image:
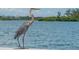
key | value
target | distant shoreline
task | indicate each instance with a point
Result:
(39, 21)
(50, 18)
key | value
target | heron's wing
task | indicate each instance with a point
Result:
(24, 26)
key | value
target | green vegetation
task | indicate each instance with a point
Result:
(70, 15)
(13, 18)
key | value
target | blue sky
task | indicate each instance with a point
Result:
(24, 11)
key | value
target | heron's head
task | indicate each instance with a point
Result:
(31, 10)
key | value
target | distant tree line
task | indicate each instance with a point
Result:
(71, 14)
(14, 18)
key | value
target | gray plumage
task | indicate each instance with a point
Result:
(23, 29)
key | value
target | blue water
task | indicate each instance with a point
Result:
(42, 35)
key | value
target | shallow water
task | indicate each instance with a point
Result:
(42, 35)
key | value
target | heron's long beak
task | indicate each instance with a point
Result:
(35, 8)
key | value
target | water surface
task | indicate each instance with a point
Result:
(42, 35)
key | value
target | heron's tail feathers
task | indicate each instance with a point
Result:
(16, 36)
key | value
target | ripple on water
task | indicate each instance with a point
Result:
(44, 35)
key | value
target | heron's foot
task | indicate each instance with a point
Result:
(20, 47)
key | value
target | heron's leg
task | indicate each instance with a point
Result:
(18, 43)
(23, 40)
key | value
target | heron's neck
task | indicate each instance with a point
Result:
(31, 15)
(32, 18)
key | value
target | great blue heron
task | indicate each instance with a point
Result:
(23, 29)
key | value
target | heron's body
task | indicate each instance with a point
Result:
(23, 29)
